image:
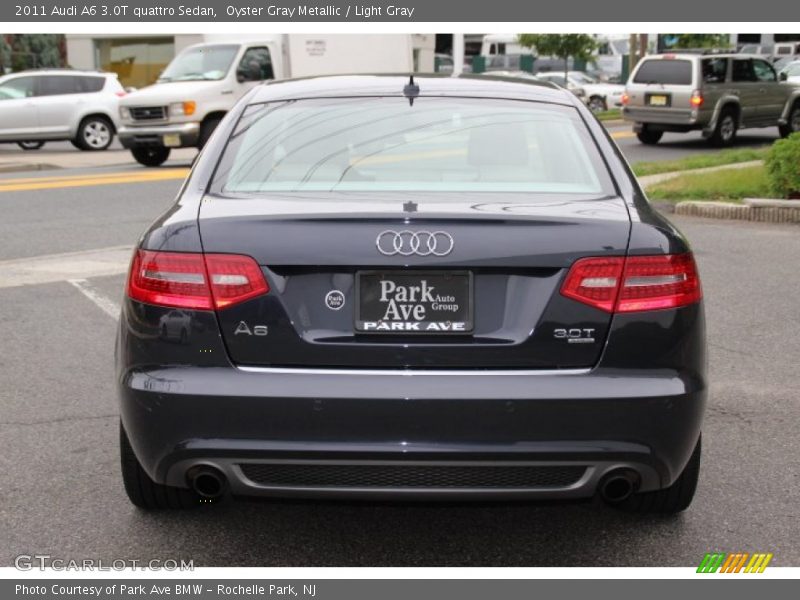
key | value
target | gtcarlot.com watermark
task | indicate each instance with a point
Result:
(30, 562)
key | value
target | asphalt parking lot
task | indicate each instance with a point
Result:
(61, 493)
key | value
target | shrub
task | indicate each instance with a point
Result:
(783, 167)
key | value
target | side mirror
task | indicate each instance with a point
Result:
(783, 76)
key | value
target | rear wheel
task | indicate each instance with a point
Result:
(30, 145)
(725, 131)
(673, 499)
(94, 133)
(143, 491)
(150, 156)
(649, 136)
(793, 123)
(597, 104)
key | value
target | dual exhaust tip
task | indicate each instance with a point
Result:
(207, 482)
(617, 486)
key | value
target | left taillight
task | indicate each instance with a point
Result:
(635, 283)
(194, 280)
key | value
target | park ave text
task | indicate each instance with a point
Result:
(248, 12)
(176, 589)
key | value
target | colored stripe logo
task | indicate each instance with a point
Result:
(736, 562)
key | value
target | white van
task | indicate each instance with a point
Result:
(204, 81)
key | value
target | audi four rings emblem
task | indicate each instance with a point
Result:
(421, 243)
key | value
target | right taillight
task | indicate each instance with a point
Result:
(635, 283)
(625, 99)
(697, 99)
(181, 279)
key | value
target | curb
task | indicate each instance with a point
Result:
(760, 211)
(18, 167)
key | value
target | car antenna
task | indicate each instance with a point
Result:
(411, 90)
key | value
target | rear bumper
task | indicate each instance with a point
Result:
(135, 136)
(665, 119)
(389, 425)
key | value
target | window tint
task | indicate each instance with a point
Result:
(666, 71)
(743, 70)
(256, 65)
(715, 70)
(387, 144)
(763, 71)
(88, 84)
(19, 87)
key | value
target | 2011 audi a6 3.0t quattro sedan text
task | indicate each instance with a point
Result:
(395, 287)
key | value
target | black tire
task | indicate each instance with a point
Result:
(95, 133)
(206, 129)
(143, 491)
(673, 499)
(597, 104)
(150, 156)
(725, 130)
(76, 144)
(649, 136)
(30, 145)
(793, 124)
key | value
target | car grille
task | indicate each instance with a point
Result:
(148, 113)
(411, 476)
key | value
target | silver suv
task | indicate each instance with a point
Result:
(59, 104)
(717, 94)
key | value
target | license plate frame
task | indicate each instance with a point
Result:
(434, 279)
(659, 100)
(171, 140)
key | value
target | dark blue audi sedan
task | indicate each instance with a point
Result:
(412, 288)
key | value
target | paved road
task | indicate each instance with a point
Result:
(61, 493)
(672, 146)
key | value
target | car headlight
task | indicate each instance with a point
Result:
(182, 109)
(124, 113)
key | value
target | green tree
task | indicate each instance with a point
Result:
(564, 46)
(700, 40)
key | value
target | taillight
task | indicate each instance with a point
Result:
(697, 99)
(181, 279)
(635, 283)
(625, 99)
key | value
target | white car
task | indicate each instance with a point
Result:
(598, 96)
(791, 72)
(59, 104)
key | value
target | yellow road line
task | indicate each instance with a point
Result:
(45, 183)
(618, 135)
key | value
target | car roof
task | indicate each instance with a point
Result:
(471, 85)
(687, 56)
(64, 71)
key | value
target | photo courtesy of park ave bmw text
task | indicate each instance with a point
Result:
(417, 299)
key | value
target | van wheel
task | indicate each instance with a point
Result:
(649, 136)
(95, 133)
(143, 491)
(793, 123)
(150, 156)
(206, 130)
(673, 499)
(30, 145)
(725, 131)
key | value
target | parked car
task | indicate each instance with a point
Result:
(59, 104)
(412, 287)
(717, 94)
(598, 96)
(791, 72)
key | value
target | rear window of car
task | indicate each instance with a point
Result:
(390, 144)
(55, 85)
(665, 71)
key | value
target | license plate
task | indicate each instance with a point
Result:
(171, 140)
(659, 100)
(411, 302)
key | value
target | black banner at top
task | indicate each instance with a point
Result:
(440, 11)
